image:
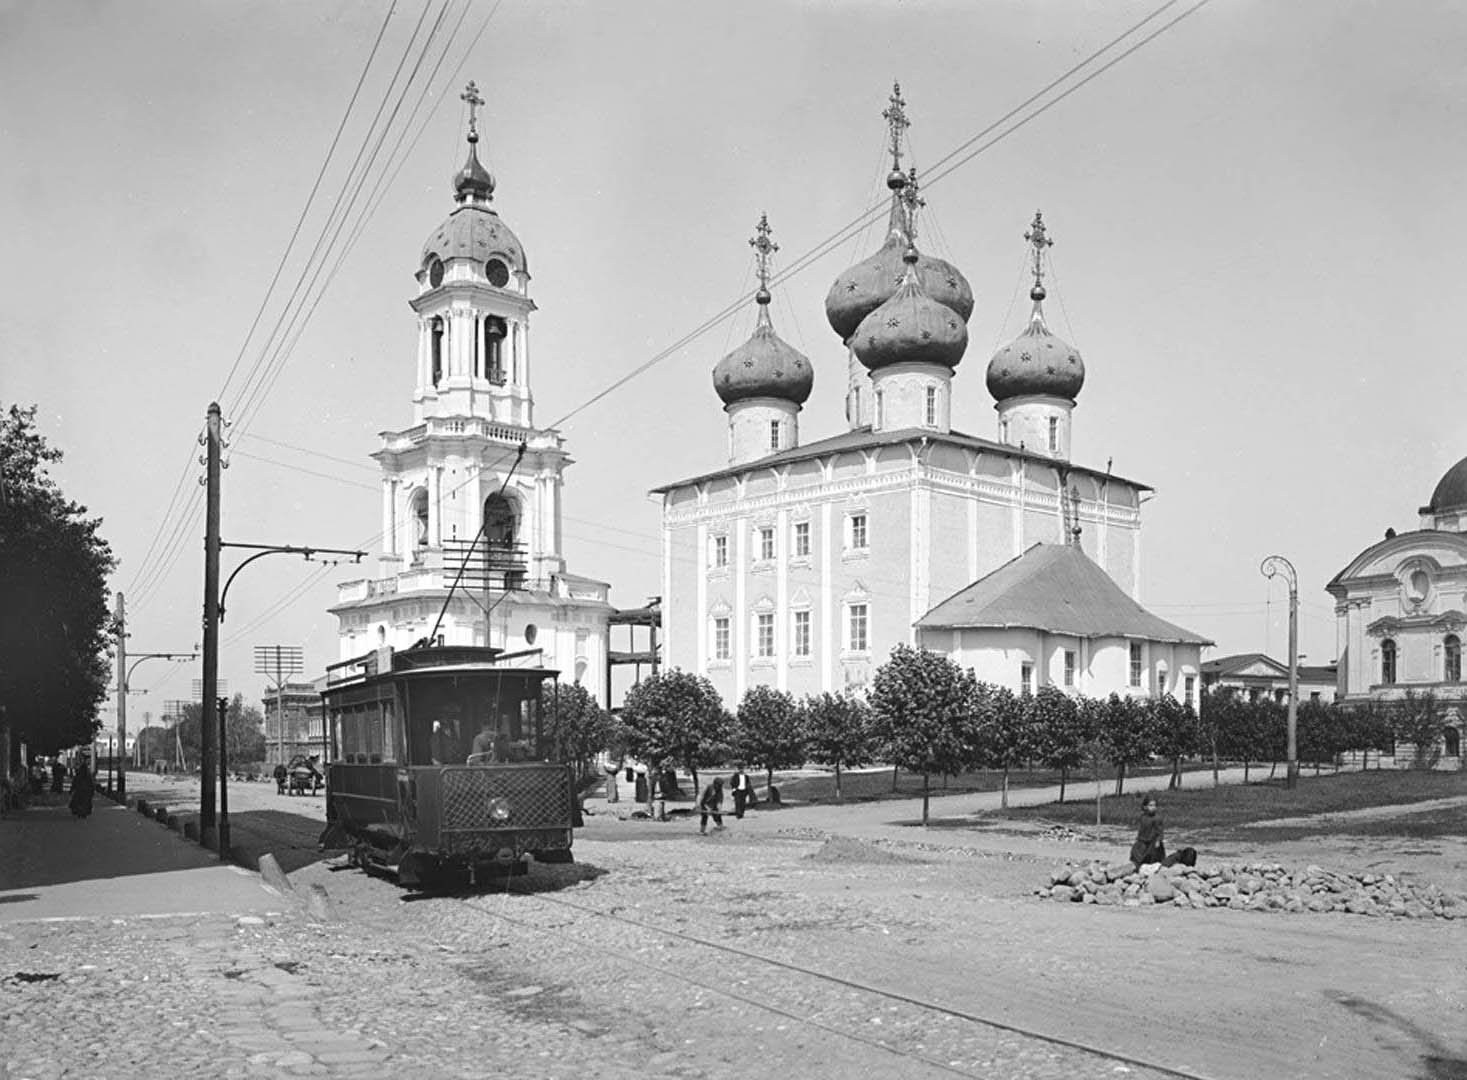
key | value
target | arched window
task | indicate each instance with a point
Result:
(1453, 739)
(494, 333)
(503, 558)
(437, 330)
(1387, 661)
(1452, 650)
(420, 519)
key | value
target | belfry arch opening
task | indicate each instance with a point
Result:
(495, 332)
(500, 541)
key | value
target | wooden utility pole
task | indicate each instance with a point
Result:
(209, 728)
(121, 694)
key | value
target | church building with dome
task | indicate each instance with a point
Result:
(1401, 615)
(471, 490)
(800, 564)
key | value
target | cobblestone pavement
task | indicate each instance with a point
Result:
(661, 953)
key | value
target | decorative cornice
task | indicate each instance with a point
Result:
(1387, 625)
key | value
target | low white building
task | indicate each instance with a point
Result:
(1051, 617)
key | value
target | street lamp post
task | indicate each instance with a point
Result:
(1277, 565)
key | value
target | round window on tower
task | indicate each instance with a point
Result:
(531, 633)
(497, 273)
(435, 273)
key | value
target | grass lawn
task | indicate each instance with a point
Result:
(869, 786)
(1199, 811)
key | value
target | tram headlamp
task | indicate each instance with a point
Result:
(499, 810)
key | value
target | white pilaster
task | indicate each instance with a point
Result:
(828, 617)
(782, 600)
(740, 618)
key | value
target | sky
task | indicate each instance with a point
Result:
(1256, 215)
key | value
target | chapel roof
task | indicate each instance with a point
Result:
(1451, 490)
(1058, 589)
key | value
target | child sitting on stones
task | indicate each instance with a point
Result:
(1149, 847)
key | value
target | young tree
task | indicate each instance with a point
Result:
(576, 726)
(1420, 719)
(767, 731)
(922, 706)
(244, 734)
(837, 732)
(1319, 734)
(675, 717)
(1055, 718)
(1127, 734)
(1212, 721)
(1091, 723)
(55, 621)
(1006, 736)
(1174, 734)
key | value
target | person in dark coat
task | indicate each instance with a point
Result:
(58, 776)
(82, 789)
(1150, 845)
(710, 804)
(743, 790)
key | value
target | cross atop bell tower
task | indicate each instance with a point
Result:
(471, 96)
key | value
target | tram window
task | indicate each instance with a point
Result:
(365, 734)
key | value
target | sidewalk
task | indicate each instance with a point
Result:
(115, 864)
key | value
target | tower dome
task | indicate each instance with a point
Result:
(1037, 361)
(872, 282)
(474, 230)
(765, 366)
(910, 328)
(1451, 490)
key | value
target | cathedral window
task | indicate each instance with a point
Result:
(774, 434)
(1189, 691)
(766, 543)
(1452, 648)
(720, 551)
(1387, 661)
(880, 410)
(437, 346)
(435, 273)
(1136, 663)
(720, 638)
(764, 633)
(1053, 434)
(1026, 678)
(801, 633)
(802, 539)
(1069, 667)
(858, 628)
(932, 406)
(494, 334)
(856, 539)
(497, 273)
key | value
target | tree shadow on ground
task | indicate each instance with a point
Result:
(1437, 1063)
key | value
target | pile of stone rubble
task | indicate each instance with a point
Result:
(1251, 887)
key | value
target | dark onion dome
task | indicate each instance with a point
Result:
(911, 327)
(1036, 362)
(869, 284)
(764, 366)
(478, 233)
(1451, 490)
(473, 179)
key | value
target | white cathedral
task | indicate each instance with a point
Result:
(471, 492)
(799, 565)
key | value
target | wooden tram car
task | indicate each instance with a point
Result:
(439, 765)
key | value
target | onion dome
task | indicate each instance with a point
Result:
(869, 284)
(764, 366)
(1036, 362)
(474, 231)
(1451, 490)
(910, 328)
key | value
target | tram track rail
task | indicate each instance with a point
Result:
(481, 903)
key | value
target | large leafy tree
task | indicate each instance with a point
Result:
(576, 726)
(675, 717)
(1056, 719)
(1420, 719)
(54, 617)
(768, 732)
(838, 732)
(244, 734)
(922, 703)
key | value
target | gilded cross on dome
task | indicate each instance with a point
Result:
(763, 247)
(1039, 237)
(895, 116)
(471, 96)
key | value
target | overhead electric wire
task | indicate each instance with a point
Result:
(310, 198)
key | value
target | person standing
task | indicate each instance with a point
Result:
(743, 790)
(82, 789)
(710, 804)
